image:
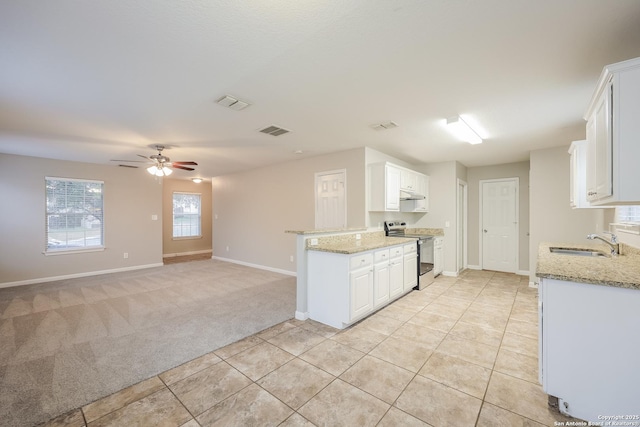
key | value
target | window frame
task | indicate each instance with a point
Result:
(173, 216)
(627, 226)
(52, 250)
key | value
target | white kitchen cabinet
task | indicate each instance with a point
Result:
(408, 180)
(578, 175)
(396, 272)
(410, 267)
(361, 285)
(384, 187)
(589, 346)
(342, 289)
(421, 187)
(381, 277)
(612, 129)
(438, 256)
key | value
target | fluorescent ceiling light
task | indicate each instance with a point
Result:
(162, 171)
(463, 131)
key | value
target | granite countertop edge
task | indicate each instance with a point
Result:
(327, 231)
(622, 271)
(354, 248)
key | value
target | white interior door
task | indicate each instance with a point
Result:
(500, 225)
(331, 190)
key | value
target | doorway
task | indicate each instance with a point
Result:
(330, 199)
(499, 201)
(461, 226)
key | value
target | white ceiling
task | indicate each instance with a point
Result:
(107, 79)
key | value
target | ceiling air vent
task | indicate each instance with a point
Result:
(233, 103)
(274, 130)
(386, 125)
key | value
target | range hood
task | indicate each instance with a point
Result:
(411, 195)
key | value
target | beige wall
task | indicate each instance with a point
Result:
(171, 247)
(255, 208)
(552, 219)
(131, 196)
(509, 170)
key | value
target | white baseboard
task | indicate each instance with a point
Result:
(261, 267)
(533, 285)
(75, 276)
(450, 273)
(206, 251)
(302, 315)
(522, 272)
(474, 267)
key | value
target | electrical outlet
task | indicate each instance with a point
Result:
(358, 236)
(154, 217)
(291, 258)
(314, 242)
(227, 248)
(447, 224)
(126, 255)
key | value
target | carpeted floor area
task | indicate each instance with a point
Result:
(68, 343)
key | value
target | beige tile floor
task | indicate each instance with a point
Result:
(462, 352)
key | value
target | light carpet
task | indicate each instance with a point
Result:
(67, 343)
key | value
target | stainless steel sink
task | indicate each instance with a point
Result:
(576, 252)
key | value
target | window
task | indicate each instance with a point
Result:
(74, 218)
(628, 214)
(186, 215)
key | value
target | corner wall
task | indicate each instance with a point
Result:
(552, 219)
(253, 209)
(131, 197)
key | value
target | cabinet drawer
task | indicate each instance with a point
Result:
(379, 256)
(412, 248)
(358, 261)
(396, 252)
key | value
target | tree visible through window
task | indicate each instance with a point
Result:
(186, 215)
(74, 217)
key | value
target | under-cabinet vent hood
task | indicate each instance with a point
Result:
(411, 195)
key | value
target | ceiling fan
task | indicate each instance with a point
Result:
(160, 164)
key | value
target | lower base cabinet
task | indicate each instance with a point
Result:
(589, 349)
(343, 289)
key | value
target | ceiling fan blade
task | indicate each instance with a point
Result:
(185, 163)
(128, 161)
(128, 166)
(183, 167)
(144, 157)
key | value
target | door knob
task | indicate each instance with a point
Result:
(485, 230)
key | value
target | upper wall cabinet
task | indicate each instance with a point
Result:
(578, 175)
(393, 188)
(613, 131)
(384, 187)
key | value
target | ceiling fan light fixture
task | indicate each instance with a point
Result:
(159, 171)
(196, 180)
(463, 131)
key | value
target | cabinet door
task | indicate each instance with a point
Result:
(423, 188)
(604, 177)
(408, 180)
(590, 168)
(396, 281)
(410, 271)
(392, 186)
(438, 260)
(381, 282)
(361, 283)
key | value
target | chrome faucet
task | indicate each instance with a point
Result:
(615, 246)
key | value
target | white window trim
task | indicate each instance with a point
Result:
(194, 237)
(66, 251)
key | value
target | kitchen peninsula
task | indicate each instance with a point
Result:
(589, 313)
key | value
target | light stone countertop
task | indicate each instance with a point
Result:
(622, 271)
(356, 246)
(327, 231)
(426, 231)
